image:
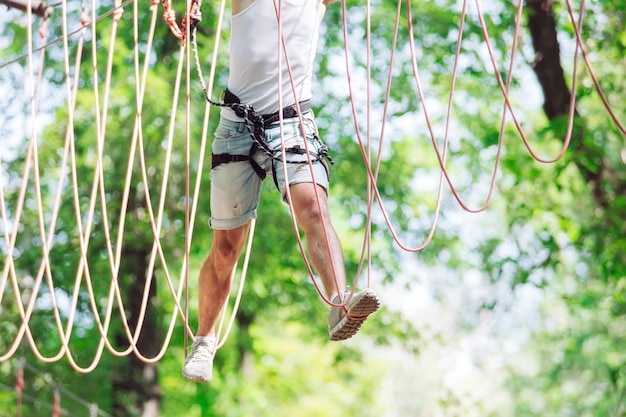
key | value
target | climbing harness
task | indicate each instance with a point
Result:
(255, 123)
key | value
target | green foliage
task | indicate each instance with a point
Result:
(558, 227)
(283, 378)
(573, 207)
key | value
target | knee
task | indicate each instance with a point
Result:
(223, 256)
(313, 212)
(309, 205)
(225, 252)
(312, 215)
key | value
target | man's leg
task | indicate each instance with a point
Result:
(213, 290)
(327, 258)
(214, 281)
(323, 244)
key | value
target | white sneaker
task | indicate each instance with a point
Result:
(199, 363)
(344, 322)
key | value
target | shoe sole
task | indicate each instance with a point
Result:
(195, 378)
(348, 326)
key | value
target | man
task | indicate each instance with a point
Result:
(247, 146)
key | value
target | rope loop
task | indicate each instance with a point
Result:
(85, 20)
(118, 12)
(194, 16)
(170, 17)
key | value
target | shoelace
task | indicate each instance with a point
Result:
(202, 351)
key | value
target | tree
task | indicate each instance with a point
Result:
(587, 349)
(561, 227)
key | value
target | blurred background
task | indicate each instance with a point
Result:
(514, 308)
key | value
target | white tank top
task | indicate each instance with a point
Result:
(254, 53)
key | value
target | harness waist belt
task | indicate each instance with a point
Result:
(288, 112)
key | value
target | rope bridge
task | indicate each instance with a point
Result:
(74, 180)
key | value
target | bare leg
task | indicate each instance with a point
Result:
(324, 246)
(215, 276)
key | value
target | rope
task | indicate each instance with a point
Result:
(103, 16)
(441, 156)
(155, 206)
(372, 177)
(581, 44)
(84, 243)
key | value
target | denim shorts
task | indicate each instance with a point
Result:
(236, 186)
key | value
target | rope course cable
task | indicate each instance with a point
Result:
(84, 229)
(104, 212)
(507, 108)
(46, 383)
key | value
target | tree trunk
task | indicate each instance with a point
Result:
(547, 63)
(547, 66)
(606, 180)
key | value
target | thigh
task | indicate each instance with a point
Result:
(235, 186)
(297, 169)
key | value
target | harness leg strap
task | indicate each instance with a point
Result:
(225, 158)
